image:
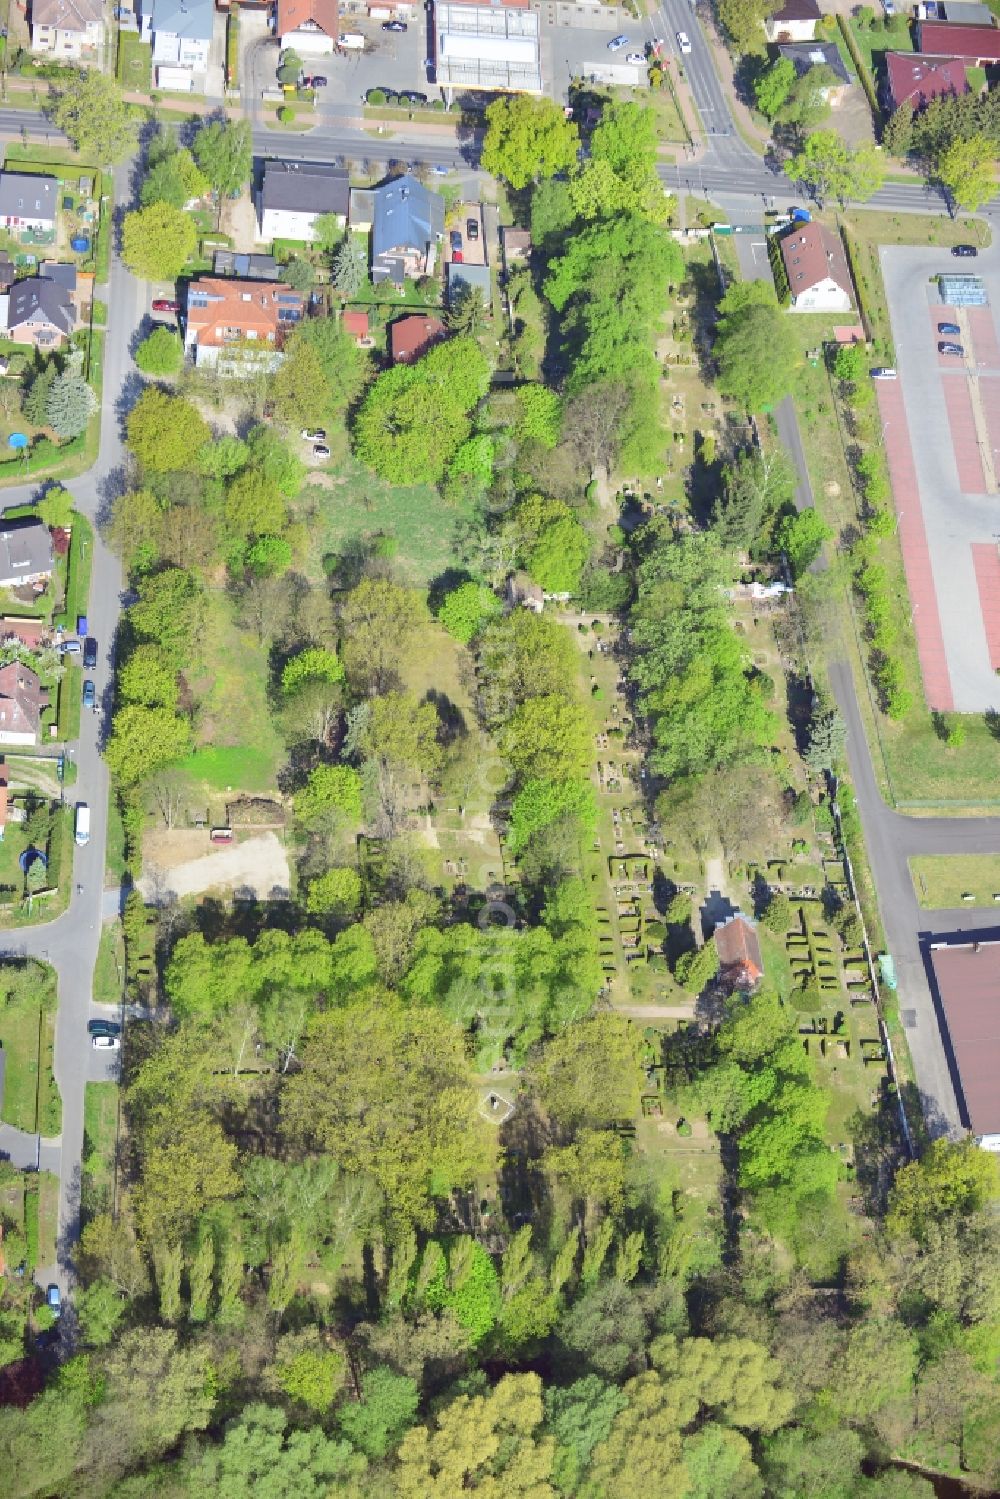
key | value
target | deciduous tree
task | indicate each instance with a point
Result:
(528, 139)
(158, 241)
(89, 108)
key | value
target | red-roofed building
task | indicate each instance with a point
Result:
(740, 963)
(979, 45)
(232, 322)
(308, 26)
(356, 324)
(412, 336)
(33, 633)
(917, 78)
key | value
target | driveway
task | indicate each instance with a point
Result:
(941, 425)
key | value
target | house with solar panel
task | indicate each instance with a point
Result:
(232, 323)
(406, 221)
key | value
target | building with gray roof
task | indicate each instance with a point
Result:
(27, 201)
(407, 227)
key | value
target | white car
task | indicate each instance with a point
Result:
(318, 436)
(684, 42)
(636, 59)
(321, 450)
(106, 1043)
(617, 43)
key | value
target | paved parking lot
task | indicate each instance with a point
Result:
(390, 60)
(574, 41)
(941, 423)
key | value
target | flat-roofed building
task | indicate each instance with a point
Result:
(494, 49)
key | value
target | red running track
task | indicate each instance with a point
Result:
(958, 404)
(986, 560)
(913, 544)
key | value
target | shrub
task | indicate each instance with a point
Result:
(375, 97)
(286, 115)
(778, 916)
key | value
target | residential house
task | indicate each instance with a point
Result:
(916, 78)
(25, 556)
(181, 35)
(978, 46)
(960, 12)
(515, 245)
(309, 27)
(795, 22)
(28, 202)
(408, 226)
(816, 266)
(738, 947)
(804, 56)
(67, 29)
(22, 699)
(231, 322)
(410, 337)
(524, 591)
(357, 324)
(293, 194)
(8, 271)
(39, 311)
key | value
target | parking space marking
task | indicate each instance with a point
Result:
(916, 552)
(964, 440)
(986, 560)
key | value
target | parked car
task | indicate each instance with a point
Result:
(106, 1043)
(456, 240)
(318, 436)
(472, 228)
(457, 258)
(165, 304)
(950, 348)
(318, 81)
(89, 694)
(964, 250)
(53, 1299)
(951, 328)
(321, 450)
(617, 43)
(104, 1028)
(394, 26)
(636, 59)
(440, 171)
(411, 96)
(90, 653)
(69, 648)
(888, 7)
(684, 42)
(882, 374)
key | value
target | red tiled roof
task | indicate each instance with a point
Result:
(738, 948)
(356, 324)
(22, 698)
(974, 43)
(412, 336)
(918, 77)
(235, 309)
(30, 632)
(295, 13)
(968, 982)
(812, 253)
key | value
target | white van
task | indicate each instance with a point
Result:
(82, 833)
(351, 41)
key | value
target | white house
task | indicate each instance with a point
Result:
(293, 194)
(309, 27)
(794, 22)
(181, 36)
(819, 279)
(27, 202)
(66, 29)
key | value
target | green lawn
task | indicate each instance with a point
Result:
(100, 1138)
(361, 506)
(135, 63)
(237, 743)
(942, 880)
(110, 963)
(27, 1032)
(873, 43)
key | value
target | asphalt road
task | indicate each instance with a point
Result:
(70, 942)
